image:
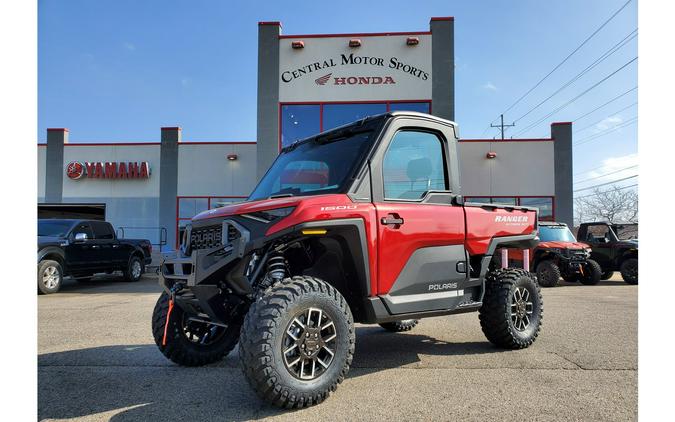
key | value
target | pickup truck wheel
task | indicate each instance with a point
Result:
(512, 310)
(399, 326)
(297, 342)
(607, 275)
(50, 277)
(189, 342)
(592, 273)
(135, 269)
(629, 271)
(548, 273)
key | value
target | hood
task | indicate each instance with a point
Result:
(254, 206)
(632, 243)
(563, 245)
(50, 240)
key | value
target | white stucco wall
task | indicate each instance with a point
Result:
(521, 168)
(204, 170)
(377, 57)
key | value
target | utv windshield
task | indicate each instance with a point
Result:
(320, 165)
(555, 234)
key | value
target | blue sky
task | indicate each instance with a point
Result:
(119, 70)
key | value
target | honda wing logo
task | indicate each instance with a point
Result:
(323, 80)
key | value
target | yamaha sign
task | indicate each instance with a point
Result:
(108, 170)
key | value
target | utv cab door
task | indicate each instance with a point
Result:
(422, 262)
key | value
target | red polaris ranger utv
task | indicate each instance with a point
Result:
(364, 223)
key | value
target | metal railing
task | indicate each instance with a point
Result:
(159, 240)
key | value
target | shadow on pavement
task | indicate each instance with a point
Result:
(135, 382)
(605, 283)
(110, 283)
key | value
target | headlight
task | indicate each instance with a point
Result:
(269, 216)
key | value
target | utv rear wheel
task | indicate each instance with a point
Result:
(511, 314)
(49, 277)
(297, 342)
(190, 342)
(607, 275)
(629, 271)
(135, 269)
(399, 326)
(548, 273)
(592, 273)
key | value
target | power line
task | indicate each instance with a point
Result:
(606, 174)
(596, 194)
(607, 132)
(607, 183)
(588, 68)
(566, 58)
(607, 103)
(601, 120)
(528, 128)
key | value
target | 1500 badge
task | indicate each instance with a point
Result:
(338, 207)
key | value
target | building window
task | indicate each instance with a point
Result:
(335, 115)
(413, 165)
(543, 203)
(189, 206)
(422, 107)
(301, 120)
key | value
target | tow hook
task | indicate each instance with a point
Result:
(174, 289)
(581, 270)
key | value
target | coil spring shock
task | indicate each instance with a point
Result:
(276, 268)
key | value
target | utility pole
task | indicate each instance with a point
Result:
(502, 125)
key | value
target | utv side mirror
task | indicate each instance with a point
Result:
(80, 237)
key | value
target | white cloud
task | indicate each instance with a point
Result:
(129, 46)
(613, 164)
(490, 86)
(608, 123)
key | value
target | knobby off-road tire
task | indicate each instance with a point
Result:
(607, 275)
(504, 306)
(135, 269)
(629, 271)
(49, 277)
(183, 348)
(592, 274)
(548, 273)
(268, 346)
(399, 326)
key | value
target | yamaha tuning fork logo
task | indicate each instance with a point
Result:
(76, 170)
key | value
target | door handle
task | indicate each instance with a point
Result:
(392, 220)
(95, 246)
(116, 246)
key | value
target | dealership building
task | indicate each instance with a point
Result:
(306, 84)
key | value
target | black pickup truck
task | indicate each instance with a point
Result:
(81, 248)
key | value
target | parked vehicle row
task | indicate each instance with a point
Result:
(82, 248)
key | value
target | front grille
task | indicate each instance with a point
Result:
(207, 237)
(577, 255)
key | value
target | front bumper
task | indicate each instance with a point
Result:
(205, 266)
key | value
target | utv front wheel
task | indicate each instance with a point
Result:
(511, 314)
(297, 342)
(399, 326)
(189, 342)
(629, 271)
(592, 273)
(548, 273)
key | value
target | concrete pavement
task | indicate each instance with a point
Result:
(97, 361)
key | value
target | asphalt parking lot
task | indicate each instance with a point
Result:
(97, 361)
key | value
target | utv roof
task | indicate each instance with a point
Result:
(361, 122)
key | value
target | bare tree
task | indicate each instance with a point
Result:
(614, 205)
